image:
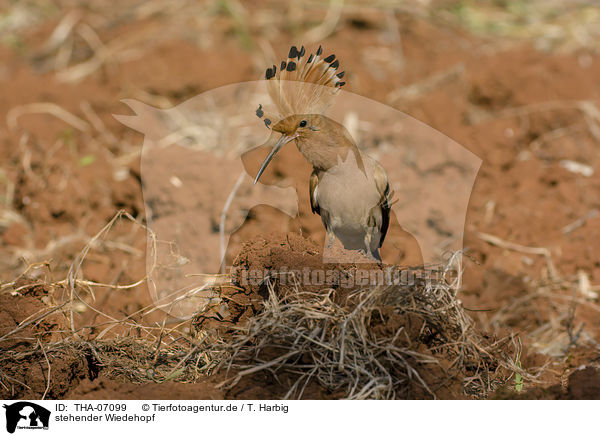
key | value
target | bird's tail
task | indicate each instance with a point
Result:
(302, 84)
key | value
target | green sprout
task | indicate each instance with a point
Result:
(518, 379)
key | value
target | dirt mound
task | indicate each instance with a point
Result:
(378, 339)
(282, 260)
(288, 259)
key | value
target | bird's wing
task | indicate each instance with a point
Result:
(383, 187)
(314, 181)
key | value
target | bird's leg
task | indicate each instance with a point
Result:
(331, 237)
(370, 253)
(367, 241)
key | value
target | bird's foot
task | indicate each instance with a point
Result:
(366, 253)
(372, 256)
(331, 238)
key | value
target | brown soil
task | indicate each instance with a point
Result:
(55, 199)
(583, 384)
(291, 257)
(28, 375)
(107, 389)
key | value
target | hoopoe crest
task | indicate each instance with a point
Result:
(302, 85)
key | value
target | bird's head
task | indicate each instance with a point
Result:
(304, 83)
(298, 125)
(294, 127)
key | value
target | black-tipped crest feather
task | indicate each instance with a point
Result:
(303, 84)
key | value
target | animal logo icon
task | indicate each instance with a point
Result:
(26, 415)
(200, 160)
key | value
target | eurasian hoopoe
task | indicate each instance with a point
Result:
(348, 189)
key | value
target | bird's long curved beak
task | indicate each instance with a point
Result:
(282, 141)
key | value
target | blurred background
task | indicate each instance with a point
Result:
(515, 82)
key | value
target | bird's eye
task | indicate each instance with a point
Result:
(303, 123)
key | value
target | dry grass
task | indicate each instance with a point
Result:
(134, 347)
(387, 342)
(399, 341)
